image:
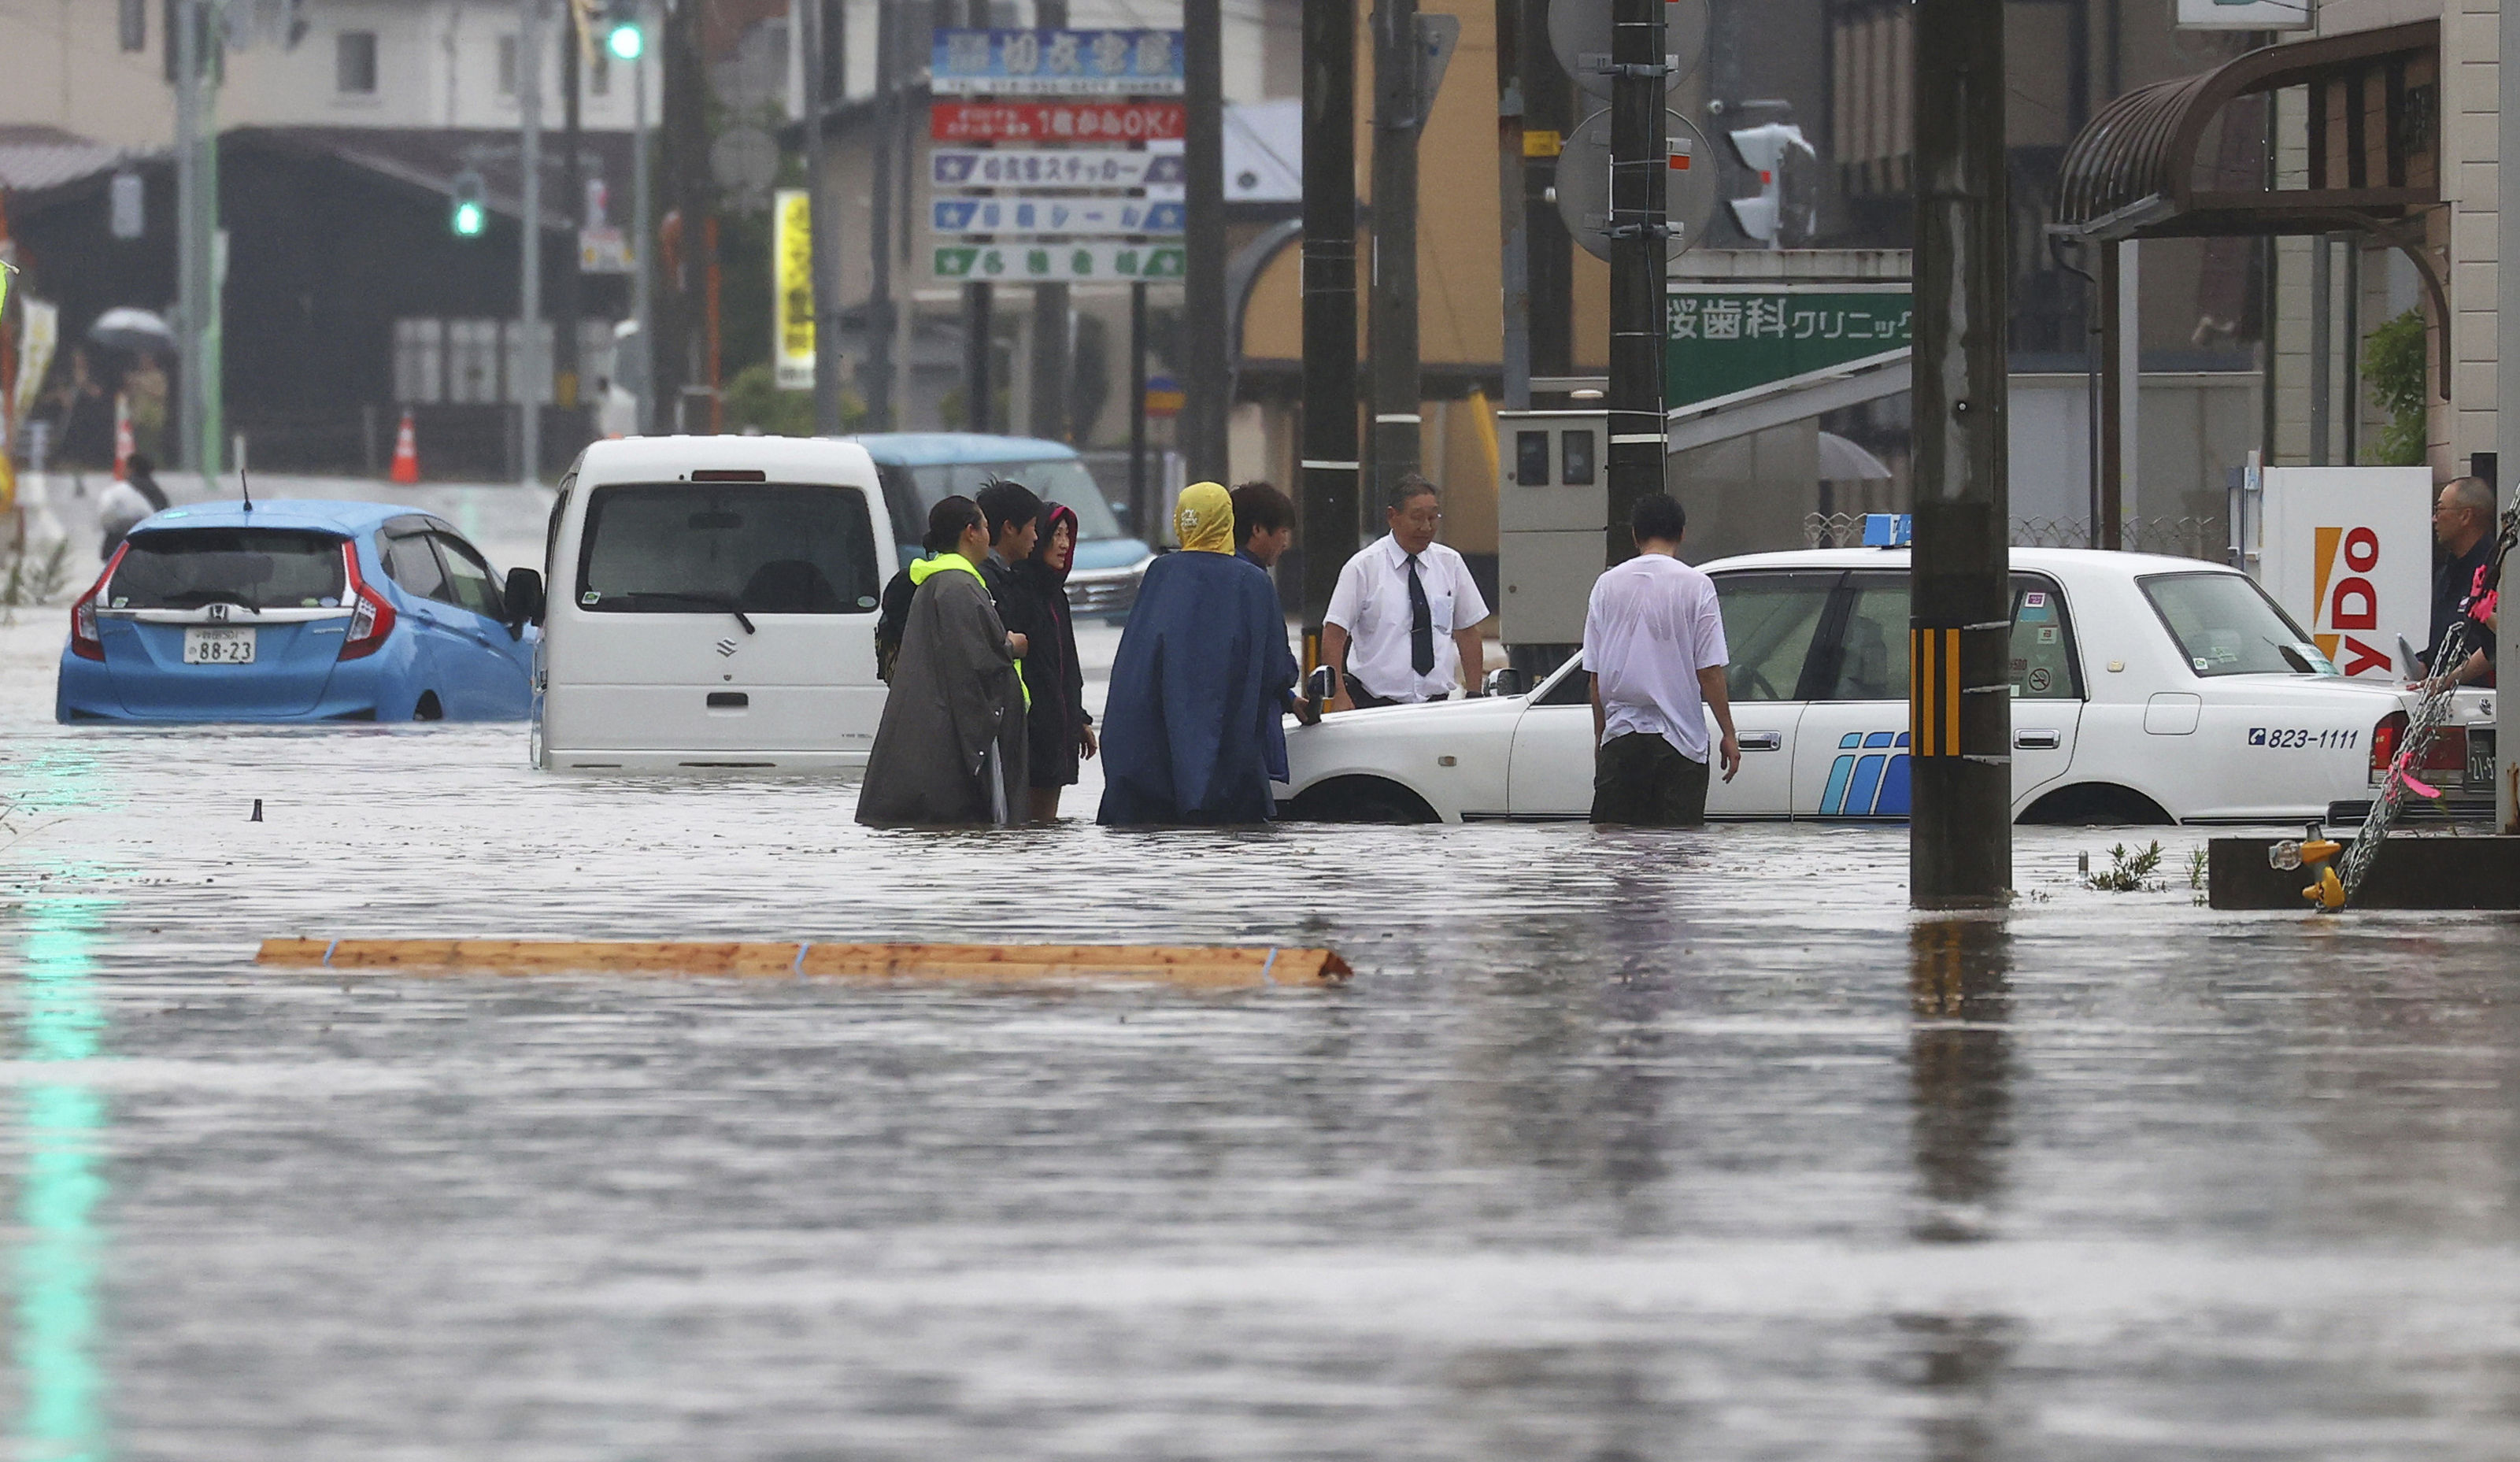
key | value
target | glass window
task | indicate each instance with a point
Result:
(1574, 688)
(354, 63)
(1768, 621)
(761, 548)
(1870, 661)
(1065, 481)
(410, 563)
(468, 583)
(2226, 625)
(260, 569)
(2044, 666)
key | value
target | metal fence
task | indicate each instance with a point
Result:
(2204, 537)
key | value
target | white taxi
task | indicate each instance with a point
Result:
(2145, 690)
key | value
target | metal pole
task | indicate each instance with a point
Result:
(643, 238)
(568, 304)
(2322, 347)
(978, 346)
(1959, 849)
(878, 371)
(1329, 452)
(2108, 515)
(2506, 416)
(1638, 250)
(1512, 216)
(189, 270)
(1549, 253)
(533, 375)
(823, 222)
(1142, 515)
(1208, 380)
(1393, 341)
(1051, 347)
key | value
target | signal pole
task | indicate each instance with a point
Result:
(1512, 215)
(531, 367)
(1330, 447)
(1050, 349)
(978, 307)
(1208, 368)
(1960, 834)
(1394, 338)
(822, 222)
(1637, 249)
(574, 40)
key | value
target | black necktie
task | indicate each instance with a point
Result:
(1422, 624)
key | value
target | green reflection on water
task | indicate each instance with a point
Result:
(60, 1386)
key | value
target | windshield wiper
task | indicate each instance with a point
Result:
(725, 602)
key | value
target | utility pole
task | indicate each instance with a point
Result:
(2506, 740)
(1960, 834)
(532, 372)
(573, 43)
(1050, 311)
(1394, 338)
(200, 28)
(824, 261)
(1638, 250)
(1512, 215)
(877, 374)
(1142, 513)
(643, 242)
(1330, 453)
(979, 301)
(1548, 252)
(1207, 365)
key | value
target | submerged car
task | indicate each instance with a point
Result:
(2145, 689)
(299, 611)
(920, 468)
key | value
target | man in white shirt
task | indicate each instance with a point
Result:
(1403, 624)
(1653, 639)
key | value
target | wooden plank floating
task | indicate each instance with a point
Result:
(1221, 967)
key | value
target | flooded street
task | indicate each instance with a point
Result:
(1620, 1145)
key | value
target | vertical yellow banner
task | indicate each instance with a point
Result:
(792, 272)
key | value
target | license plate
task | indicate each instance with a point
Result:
(2480, 758)
(218, 646)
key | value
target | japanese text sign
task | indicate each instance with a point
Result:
(1719, 341)
(1056, 63)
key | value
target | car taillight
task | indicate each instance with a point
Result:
(371, 618)
(85, 642)
(2446, 753)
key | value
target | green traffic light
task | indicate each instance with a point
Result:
(468, 219)
(626, 43)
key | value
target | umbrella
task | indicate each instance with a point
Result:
(1842, 461)
(128, 329)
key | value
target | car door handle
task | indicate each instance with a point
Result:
(2037, 740)
(1762, 741)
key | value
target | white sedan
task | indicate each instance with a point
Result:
(2145, 690)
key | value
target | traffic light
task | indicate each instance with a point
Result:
(1763, 150)
(622, 37)
(471, 214)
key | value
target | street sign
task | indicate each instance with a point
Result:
(2248, 15)
(1054, 263)
(1724, 339)
(1584, 184)
(1054, 62)
(2349, 552)
(1579, 32)
(1040, 168)
(1057, 121)
(1080, 217)
(1164, 397)
(791, 275)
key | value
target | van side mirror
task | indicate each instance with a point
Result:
(524, 598)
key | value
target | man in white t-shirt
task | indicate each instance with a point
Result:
(1403, 624)
(1653, 639)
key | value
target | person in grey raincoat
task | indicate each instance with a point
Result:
(951, 746)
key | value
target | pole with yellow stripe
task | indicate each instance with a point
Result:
(1959, 851)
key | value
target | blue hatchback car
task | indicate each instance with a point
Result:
(299, 611)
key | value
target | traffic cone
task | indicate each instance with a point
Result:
(122, 445)
(406, 462)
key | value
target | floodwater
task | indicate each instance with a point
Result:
(1620, 1145)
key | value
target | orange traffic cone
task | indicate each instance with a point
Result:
(406, 462)
(122, 443)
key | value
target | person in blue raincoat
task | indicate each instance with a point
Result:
(1203, 671)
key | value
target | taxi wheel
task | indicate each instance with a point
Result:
(2098, 804)
(1360, 799)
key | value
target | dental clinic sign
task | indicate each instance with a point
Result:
(1722, 339)
(2348, 552)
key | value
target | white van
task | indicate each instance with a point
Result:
(711, 605)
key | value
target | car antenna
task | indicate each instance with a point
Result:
(244, 485)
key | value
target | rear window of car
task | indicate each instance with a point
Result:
(259, 569)
(765, 548)
(2226, 625)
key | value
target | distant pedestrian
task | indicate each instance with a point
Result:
(1264, 528)
(1403, 624)
(1202, 669)
(126, 504)
(1057, 724)
(1653, 641)
(951, 746)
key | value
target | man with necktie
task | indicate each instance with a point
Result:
(1403, 625)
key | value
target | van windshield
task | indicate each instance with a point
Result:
(181, 569)
(756, 548)
(1063, 481)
